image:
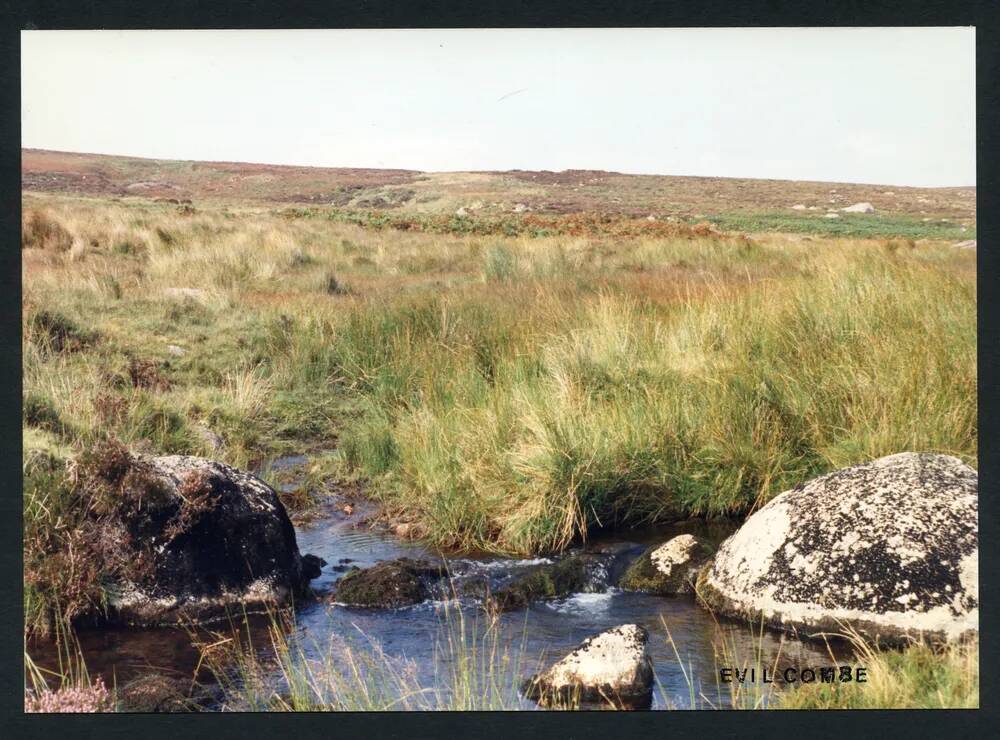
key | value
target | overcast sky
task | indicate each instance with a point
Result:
(888, 106)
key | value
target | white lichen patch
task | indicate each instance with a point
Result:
(676, 552)
(137, 603)
(616, 658)
(752, 548)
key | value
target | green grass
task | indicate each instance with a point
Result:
(918, 677)
(851, 225)
(519, 429)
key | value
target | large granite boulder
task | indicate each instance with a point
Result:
(202, 537)
(888, 548)
(612, 668)
(667, 568)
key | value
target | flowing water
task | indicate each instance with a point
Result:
(685, 641)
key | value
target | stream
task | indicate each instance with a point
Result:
(685, 641)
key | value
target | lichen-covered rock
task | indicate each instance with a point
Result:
(546, 581)
(611, 668)
(217, 537)
(888, 548)
(389, 584)
(668, 568)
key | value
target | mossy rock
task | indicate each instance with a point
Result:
(549, 581)
(668, 568)
(386, 585)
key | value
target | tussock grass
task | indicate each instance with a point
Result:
(921, 676)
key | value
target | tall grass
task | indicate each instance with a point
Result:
(921, 676)
(521, 431)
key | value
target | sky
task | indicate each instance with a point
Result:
(887, 106)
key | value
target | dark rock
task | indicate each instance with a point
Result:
(389, 584)
(888, 548)
(215, 537)
(312, 566)
(548, 581)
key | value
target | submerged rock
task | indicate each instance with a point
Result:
(611, 668)
(389, 584)
(546, 581)
(888, 548)
(213, 537)
(669, 568)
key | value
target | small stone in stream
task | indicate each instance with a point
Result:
(312, 566)
(669, 568)
(389, 584)
(548, 581)
(611, 668)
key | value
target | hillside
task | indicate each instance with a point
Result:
(738, 203)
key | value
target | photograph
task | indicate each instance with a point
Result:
(498, 369)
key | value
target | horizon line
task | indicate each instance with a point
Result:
(482, 171)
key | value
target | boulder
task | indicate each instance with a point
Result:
(213, 537)
(967, 244)
(888, 548)
(668, 568)
(389, 584)
(859, 208)
(542, 582)
(612, 668)
(798, 207)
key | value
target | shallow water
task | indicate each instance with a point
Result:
(684, 640)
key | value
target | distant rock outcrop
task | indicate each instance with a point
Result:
(888, 548)
(859, 208)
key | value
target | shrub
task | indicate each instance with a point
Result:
(52, 331)
(40, 412)
(39, 230)
(332, 285)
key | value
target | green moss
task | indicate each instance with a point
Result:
(389, 584)
(548, 581)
